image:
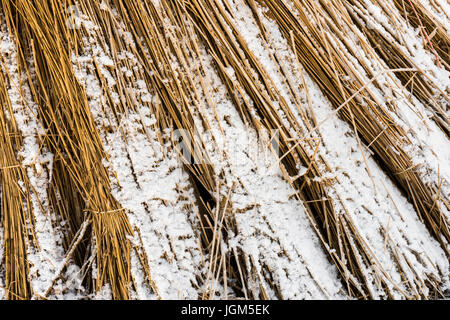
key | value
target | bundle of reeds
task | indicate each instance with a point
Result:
(14, 213)
(257, 149)
(339, 232)
(330, 57)
(430, 18)
(71, 134)
(389, 41)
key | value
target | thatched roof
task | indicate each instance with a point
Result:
(204, 149)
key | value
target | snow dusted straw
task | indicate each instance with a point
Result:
(387, 31)
(44, 248)
(258, 237)
(195, 60)
(147, 177)
(434, 31)
(319, 30)
(160, 54)
(236, 269)
(72, 135)
(15, 203)
(208, 16)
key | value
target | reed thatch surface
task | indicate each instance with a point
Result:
(224, 149)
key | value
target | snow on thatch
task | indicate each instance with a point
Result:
(224, 149)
